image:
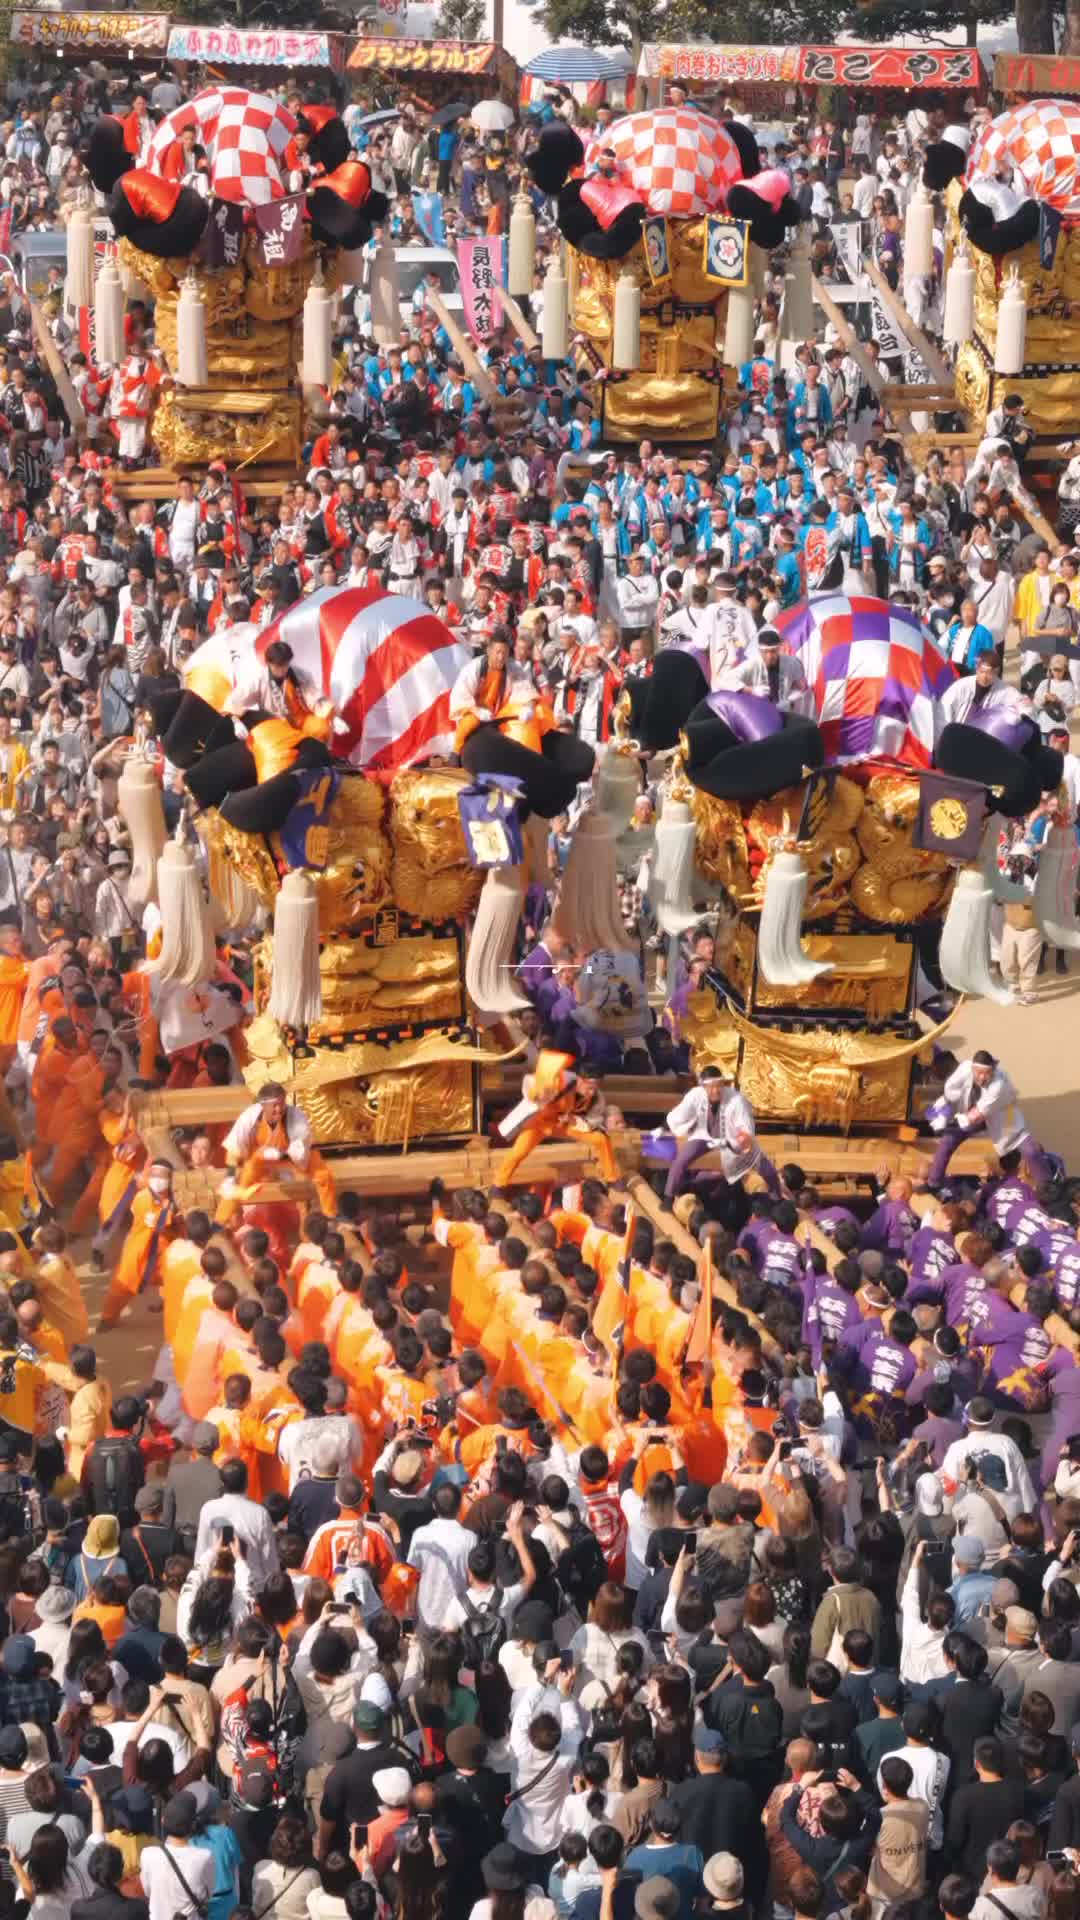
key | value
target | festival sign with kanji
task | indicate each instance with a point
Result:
(720, 64)
(427, 56)
(254, 46)
(890, 67)
(91, 32)
(223, 235)
(481, 263)
(280, 227)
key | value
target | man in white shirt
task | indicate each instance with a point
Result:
(974, 693)
(440, 1554)
(930, 1769)
(980, 1439)
(994, 593)
(638, 595)
(545, 1734)
(251, 1524)
(483, 1595)
(729, 633)
(1058, 737)
(178, 1879)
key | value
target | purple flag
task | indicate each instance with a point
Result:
(280, 227)
(222, 236)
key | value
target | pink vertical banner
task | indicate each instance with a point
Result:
(481, 264)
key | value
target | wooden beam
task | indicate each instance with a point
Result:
(936, 362)
(73, 406)
(872, 375)
(666, 1224)
(524, 331)
(1037, 521)
(479, 375)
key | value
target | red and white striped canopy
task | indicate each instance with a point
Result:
(388, 665)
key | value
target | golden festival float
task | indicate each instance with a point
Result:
(243, 278)
(852, 855)
(665, 218)
(1012, 264)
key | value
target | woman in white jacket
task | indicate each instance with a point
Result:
(214, 1598)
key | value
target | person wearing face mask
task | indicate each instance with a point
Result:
(154, 1222)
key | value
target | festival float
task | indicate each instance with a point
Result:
(665, 219)
(847, 849)
(1012, 276)
(243, 279)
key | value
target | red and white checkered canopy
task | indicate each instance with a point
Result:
(245, 136)
(676, 160)
(1038, 144)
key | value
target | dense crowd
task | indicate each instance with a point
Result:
(483, 1565)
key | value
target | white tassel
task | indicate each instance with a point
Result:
(617, 785)
(237, 901)
(109, 315)
(385, 303)
(626, 335)
(1055, 889)
(191, 361)
(521, 273)
(919, 236)
(187, 940)
(554, 326)
(587, 912)
(296, 987)
(780, 953)
(739, 327)
(317, 365)
(671, 876)
(797, 316)
(138, 798)
(489, 977)
(958, 324)
(964, 957)
(1011, 340)
(80, 258)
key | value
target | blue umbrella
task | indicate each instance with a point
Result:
(568, 64)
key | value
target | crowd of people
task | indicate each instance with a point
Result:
(523, 1557)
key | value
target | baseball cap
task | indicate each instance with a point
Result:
(969, 1551)
(709, 1740)
(13, 1747)
(393, 1786)
(887, 1688)
(368, 1718)
(656, 1899)
(723, 1877)
(1020, 1620)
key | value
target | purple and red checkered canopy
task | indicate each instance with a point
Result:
(875, 675)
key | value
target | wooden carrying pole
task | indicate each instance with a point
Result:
(938, 366)
(872, 375)
(481, 379)
(73, 406)
(517, 320)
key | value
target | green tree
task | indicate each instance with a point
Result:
(932, 19)
(627, 23)
(460, 20)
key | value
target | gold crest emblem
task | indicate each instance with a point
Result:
(948, 818)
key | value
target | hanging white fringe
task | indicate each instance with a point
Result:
(616, 786)
(587, 912)
(239, 901)
(191, 358)
(79, 285)
(1055, 889)
(187, 939)
(316, 369)
(385, 298)
(671, 878)
(138, 798)
(109, 314)
(1010, 345)
(296, 988)
(964, 956)
(958, 323)
(781, 956)
(489, 978)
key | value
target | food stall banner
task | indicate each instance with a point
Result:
(1041, 73)
(889, 67)
(428, 56)
(776, 65)
(256, 46)
(92, 32)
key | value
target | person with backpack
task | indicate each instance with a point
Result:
(580, 1566)
(483, 1611)
(115, 1469)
